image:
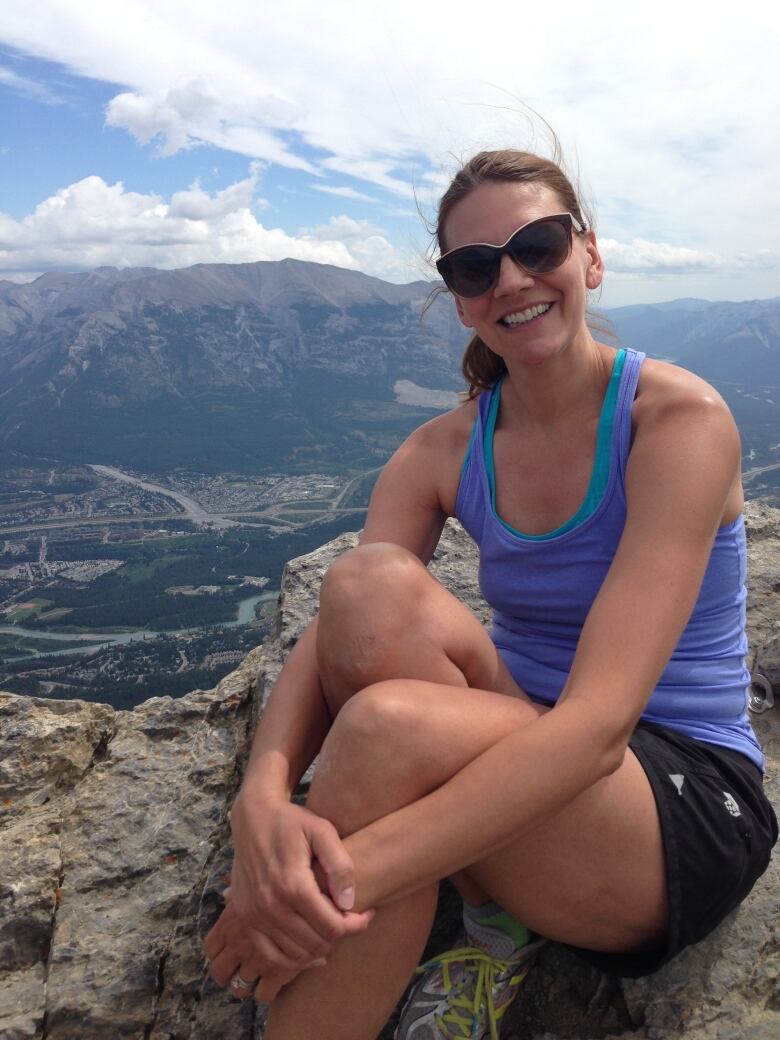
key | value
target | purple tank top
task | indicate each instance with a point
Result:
(541, 590)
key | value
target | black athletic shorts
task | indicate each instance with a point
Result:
(718, 831)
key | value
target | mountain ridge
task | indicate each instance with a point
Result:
(150, 366)
(292, 364)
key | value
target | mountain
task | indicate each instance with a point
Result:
(737, 342)
(290, 365)
(271, 365)
(734, 346)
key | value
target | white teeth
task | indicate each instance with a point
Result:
(521, 317)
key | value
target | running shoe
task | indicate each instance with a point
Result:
(463, 995)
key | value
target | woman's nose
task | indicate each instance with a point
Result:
(511, 277)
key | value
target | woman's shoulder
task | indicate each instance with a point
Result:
(448, 433)
(665, 390)
(434, 454)
(680, 418)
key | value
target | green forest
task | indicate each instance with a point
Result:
(135, 596)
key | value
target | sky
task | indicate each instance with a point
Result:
(158, 133)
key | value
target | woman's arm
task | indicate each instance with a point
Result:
(294, 725)
(681, 479)
(274, 889)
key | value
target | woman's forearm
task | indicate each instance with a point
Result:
(293, 726)
(503, 793)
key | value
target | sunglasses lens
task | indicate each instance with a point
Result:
(541, 247)
(471, 271)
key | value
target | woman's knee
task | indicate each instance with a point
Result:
(368, 756)
(368, 576)
(373, 727)
(369, 600)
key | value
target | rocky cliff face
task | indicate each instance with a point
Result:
(114, 849)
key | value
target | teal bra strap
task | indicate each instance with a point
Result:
(600, 474)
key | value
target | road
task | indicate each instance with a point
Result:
(748, 475)
(192, 509)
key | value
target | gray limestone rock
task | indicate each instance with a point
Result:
(114, 850)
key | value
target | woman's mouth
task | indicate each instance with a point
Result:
(516, 318)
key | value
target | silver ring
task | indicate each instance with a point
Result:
(238, 983)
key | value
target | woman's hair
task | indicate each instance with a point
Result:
(480, 366)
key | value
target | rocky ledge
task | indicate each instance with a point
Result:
(114, 849)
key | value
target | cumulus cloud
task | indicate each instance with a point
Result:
(196, 204)
(371, 249)
(92, 224)
(191, 114)
(675, 143)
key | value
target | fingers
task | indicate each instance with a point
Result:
(336, 863)
(215, 941)
(268, 988)
(252, 963)
(240, 987)
(230, 945)
(264, 990)
(301, 955)
(356, 923)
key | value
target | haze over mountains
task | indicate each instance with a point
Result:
(291, 365)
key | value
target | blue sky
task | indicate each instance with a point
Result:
(167, 133)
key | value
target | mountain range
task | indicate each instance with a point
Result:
(249, 367)
(290, 365)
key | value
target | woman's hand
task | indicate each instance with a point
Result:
(237, 952)
(279, 919)
(274, 888)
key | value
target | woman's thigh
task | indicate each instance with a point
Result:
(594, 875)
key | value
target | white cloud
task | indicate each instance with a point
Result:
(345, 228)
(196, 204)
(92, 224)
(343, 192)
(763, 259)
(191, 114)
(670, 116)
(376, 171)
(373, 252)
(27, 87)
(655, 257)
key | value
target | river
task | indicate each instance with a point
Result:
(246, 611)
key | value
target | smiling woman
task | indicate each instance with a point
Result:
(587, 773)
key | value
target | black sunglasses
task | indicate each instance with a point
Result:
(538, 247)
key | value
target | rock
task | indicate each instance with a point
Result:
(763, 530)
(114, 847)
(103, 884)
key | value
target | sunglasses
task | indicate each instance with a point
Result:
(538, 247)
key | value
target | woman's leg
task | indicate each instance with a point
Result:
(397, 740)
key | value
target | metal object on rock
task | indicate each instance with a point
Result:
(760, 696)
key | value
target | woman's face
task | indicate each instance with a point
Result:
(491, 213)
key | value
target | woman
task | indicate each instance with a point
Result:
(588, 772)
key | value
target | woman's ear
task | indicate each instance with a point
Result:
(594, 272)
(461, 313)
